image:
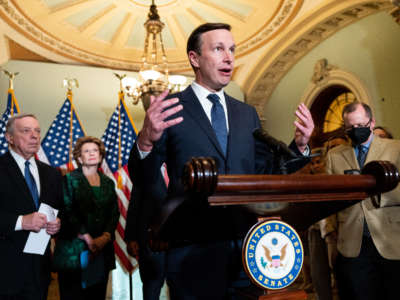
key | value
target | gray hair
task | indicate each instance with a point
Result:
(11, 121)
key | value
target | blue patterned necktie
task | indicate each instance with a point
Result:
(362, 155)
(30, 181)
(218, 121)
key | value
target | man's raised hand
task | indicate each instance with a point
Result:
(155, 120)
(304, 127)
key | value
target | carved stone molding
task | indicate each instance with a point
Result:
(395, 12)
(285, 14)
(268, 73)
(321, 71)
(332, 76)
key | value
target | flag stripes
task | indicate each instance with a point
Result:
(118, 139)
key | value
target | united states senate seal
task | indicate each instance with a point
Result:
(272, 254)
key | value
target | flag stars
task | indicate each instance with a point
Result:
(57, 140)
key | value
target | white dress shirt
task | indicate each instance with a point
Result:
(202, 93)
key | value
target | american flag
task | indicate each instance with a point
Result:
(11, 109)
(60, 139)
(119, 137)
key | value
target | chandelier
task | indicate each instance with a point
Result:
(154, 76)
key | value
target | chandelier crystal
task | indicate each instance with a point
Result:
(154, 75)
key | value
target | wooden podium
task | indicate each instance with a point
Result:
(304, 199)
(299, 199)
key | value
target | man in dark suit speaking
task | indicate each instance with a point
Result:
(25, 183)
(204, 121)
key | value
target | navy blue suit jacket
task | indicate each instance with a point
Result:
(195, 220)
(15, 200)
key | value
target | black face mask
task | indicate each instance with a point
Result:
(359, 135)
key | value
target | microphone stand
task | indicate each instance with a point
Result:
(282, 162)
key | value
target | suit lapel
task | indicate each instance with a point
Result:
(233, 114)
(350, 157)
(19, 179)
(374, 153)
(42, 176)
(192, 106)
(375, 150)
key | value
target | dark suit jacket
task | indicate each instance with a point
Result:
(195, 220)
(15, 200)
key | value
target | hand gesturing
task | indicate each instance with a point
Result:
(304, 127)
(155, 121)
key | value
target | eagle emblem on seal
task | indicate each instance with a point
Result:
(276, 256)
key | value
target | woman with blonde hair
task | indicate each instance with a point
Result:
(84, 252)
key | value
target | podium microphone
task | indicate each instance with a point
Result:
(273, 143)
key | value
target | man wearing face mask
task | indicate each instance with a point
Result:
(368, 233)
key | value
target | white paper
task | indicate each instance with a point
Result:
(37, 241)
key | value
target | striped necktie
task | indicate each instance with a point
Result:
(362, 155)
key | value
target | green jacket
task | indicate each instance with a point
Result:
(83, 212)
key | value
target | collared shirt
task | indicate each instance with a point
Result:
(366, 145)
(35, 173)
(202, 93)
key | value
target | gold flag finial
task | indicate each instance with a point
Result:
(70, 83)
(11, 77)
(120, 77)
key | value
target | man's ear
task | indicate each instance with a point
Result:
(372, 124)
(193, 58)
(9, 138)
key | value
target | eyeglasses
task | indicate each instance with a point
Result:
(349, 128)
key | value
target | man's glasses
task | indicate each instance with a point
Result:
(349, 128)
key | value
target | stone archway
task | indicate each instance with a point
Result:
(326, 75)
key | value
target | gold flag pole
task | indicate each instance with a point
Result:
(120, 99)
(70, 83)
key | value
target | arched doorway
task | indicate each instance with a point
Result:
(327, 113)
(329, 91)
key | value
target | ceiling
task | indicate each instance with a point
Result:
(110, 33)
(271, 35)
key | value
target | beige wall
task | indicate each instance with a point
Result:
(369, 49)
(39, 90)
